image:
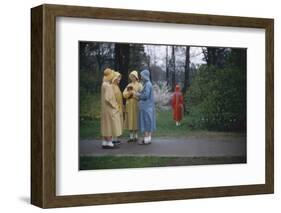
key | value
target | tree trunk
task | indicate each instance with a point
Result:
(174, 68)
(122, 58)
(215, 56)
(186, 69)
(149, 64)
(211, 56)
(167, 66)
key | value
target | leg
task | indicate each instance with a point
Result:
(131, 139)
(135, 135)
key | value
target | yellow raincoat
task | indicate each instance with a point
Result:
(110, 116)
(131, 112)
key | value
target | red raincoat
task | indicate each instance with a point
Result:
(177, 104)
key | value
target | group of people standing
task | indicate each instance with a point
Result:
(138, 113)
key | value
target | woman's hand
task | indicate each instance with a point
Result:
(136, 95)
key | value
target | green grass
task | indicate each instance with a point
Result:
(166, 126)
(89, 125)
(89, 106)
(115, 162)
(90, 122)
(90, 129)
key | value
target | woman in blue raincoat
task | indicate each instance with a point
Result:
(147, 116)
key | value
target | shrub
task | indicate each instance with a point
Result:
(218, 97)
(162, 95)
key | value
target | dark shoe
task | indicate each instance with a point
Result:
(116, 142)
(135, 140)
(110, 147)
(130, 141)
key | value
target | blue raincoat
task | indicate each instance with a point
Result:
(147, 116)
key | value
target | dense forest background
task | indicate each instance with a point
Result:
(213, 80)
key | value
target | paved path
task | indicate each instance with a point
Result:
(188, 146)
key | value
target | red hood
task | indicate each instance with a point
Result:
(177, 88)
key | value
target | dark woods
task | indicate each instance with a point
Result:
(95, 57)
(212, 79)
(173, 66)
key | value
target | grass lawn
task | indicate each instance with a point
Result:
(90, 129)
(90, 122)
(115, 162)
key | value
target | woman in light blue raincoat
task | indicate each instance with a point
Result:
(147, 116)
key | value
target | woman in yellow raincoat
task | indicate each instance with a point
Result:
(110, 116)
(119, 98)
(131, 115)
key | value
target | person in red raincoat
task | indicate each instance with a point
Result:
(177, 105)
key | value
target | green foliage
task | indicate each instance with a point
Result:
(89, 82)
(218, 97)
(90, 105)
(89, 115)
(138, 57)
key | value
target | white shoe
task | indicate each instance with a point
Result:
(110, 144)
(146, 140)
(104, 143)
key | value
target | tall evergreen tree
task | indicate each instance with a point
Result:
(137, 57)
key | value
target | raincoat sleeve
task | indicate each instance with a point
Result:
(110, 98)
(145, 93)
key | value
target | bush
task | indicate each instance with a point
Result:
(218, 97)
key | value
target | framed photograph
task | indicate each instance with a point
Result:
(138, 106)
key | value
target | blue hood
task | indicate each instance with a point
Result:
(145, 75)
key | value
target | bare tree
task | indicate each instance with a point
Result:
(151, 59)
(173, 62)
(167, 65)
(186, 69)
